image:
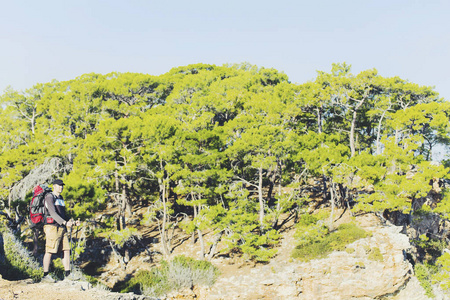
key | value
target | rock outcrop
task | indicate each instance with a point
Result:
(375, 267)
(371, 268)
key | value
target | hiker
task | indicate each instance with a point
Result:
(55, 229)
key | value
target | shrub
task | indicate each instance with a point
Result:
(346, 234)
(18, 263)
(306, 220)
(201, 272)
(259, 248)
(442, 274)
(424, 273)
(181, 272)
(316, 242)
(57, 269)
(121, 237)
(152, 283)
(431, 247)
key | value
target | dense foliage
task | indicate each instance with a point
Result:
(229, 146)
(16, 262)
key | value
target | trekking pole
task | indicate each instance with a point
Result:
(70, 245)
(77, 224)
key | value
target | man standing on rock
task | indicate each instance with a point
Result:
(55, 229)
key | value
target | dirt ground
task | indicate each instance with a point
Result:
(26, 289)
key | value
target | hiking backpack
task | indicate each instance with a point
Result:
(37, 206)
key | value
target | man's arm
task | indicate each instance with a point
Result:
(50, 205)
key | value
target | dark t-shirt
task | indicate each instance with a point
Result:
(56, 209)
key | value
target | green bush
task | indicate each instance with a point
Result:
(17, 263)
(307, 219)
(441, 275)
(121, 237)
(316, 242)
(58, 268)
(152, 283)
(181, 272)
(346, 234)
(432, 247)
(424, 273)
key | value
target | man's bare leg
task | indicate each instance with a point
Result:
(66, 260)
(46, 262)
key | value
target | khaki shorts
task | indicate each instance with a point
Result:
(56, 239)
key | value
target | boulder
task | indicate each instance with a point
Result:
(359, 273)
(375, 267)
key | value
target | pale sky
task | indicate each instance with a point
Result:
(41, 40)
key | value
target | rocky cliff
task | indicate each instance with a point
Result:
(375, 267)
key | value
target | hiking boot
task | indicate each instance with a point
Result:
(48, 279)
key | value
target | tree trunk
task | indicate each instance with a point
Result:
(33, 122)
(332, 194)
(116, 178)
(324, 187)
(212, 250)
(353, 126)
(319, 120)
(202, 243)
(272, 179)
(164, 241)
(163, 192)
(199, 232)
(118, 256)
(123, 208)
(352, 135)
(119, 220)
(379, 131)
(278, 210)
(129, 204)
(261, 200)
(193, 232)
(394, 163)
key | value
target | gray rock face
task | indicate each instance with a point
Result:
(358, 273)
(370, 268)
